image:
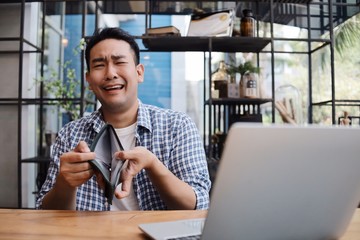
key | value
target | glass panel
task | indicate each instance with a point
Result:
(321, 75)
(92, 20)
(54, 12)
(296, 46)
(322, 115)
(52, 120)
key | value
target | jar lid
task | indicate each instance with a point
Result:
(247, 13)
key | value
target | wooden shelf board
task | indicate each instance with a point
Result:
(204, 44)
(236, 101)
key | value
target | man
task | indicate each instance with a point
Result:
(167, 167)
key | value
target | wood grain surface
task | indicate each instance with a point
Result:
(52, 224)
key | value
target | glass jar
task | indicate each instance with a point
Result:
(288, 102)
(247, 24)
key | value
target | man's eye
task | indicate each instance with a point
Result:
(98, 65)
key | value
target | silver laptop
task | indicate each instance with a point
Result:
(279, 182)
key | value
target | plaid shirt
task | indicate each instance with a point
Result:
(171, 136)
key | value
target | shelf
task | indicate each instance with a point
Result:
(339, 102)
(36, 160)
(238, 101)
(29, 47)
(204, 44)
(156, 1)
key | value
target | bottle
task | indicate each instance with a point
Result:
(247, 24)
(251, 90)
(248, 85)
(219, 81)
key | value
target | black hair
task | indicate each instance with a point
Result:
(101, 34)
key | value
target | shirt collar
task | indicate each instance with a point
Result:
(95, 121)
(143, 118)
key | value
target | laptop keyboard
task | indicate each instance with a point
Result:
(197, 224)
(196, 237)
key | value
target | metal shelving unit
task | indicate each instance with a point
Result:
(40, 101)
(219, 114)
(286, 12)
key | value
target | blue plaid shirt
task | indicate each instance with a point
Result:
(172, 136)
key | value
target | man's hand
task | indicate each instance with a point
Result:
(74, 171)
(138, 158)
(175, 193)
(74, 166)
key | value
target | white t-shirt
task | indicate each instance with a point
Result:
(127, 139)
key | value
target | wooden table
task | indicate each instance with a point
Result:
(48, 224)
(51, 224)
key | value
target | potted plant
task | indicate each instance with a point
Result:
(62, 85)
(248, 81)
(63, 90)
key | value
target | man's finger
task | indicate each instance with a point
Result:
(121, 155)
(129, 154)
(123, 189)
(75, 157)
(77, 168)
(82, 147)
(78, 178)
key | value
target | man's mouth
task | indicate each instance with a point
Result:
(114, 87)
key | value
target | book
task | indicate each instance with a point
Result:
(105, 144)
(216, 24)
(164, 31)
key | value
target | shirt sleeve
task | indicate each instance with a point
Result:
(58, 148)
(189, 161)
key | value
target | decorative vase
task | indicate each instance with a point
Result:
(219, 81)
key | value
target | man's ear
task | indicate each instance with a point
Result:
(87, 77)
(140, 71)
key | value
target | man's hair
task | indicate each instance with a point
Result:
(101, 34)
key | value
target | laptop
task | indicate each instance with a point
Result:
(279, 182)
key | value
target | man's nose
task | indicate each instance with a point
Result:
(111, 72)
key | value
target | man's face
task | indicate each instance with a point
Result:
(113, 75)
